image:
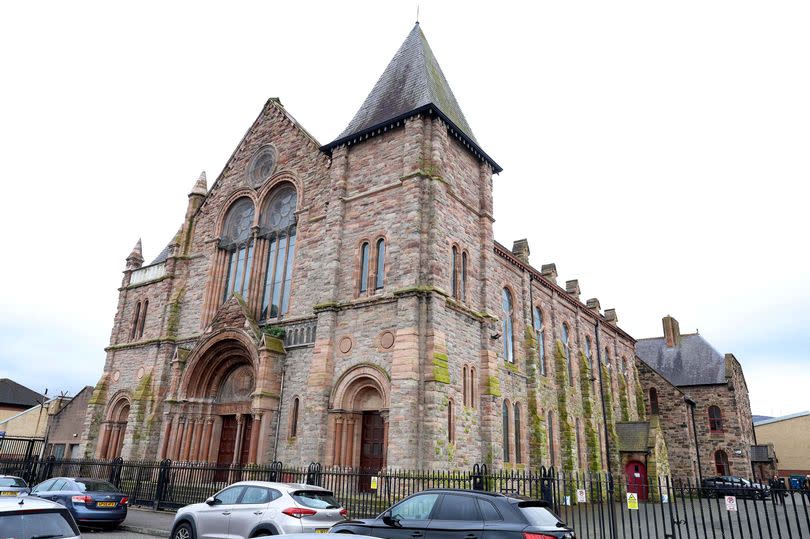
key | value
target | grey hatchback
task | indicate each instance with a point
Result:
(258, 508)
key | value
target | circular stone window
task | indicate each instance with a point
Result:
(261, 166)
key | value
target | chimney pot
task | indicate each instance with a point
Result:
(672, 332)
(520, 248)
(549, 271)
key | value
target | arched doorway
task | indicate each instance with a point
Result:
(114, 428)
(358, 420)
(636, 474)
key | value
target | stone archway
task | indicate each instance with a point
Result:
(213, 419)
(114, 428)
(358, 419)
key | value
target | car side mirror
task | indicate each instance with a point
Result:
(388, 520)
(212, 501)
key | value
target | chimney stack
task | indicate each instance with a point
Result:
(549, 271)
(672, 332)
(593, 304)
(610, 316)
(572, 287)
(520, 248)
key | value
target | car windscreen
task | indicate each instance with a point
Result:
(316, 499)
(94, 485)
(40, 523)
(538, 515)
(11, 482)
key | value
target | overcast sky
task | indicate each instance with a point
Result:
(656, 151)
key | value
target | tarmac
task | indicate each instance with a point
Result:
(148, 522)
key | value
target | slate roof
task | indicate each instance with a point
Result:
(693, 363)
(633, 436)
(14, 394)
(780, 418)
(413, 82)
(162, 256)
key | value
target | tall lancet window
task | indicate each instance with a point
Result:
(237, 239)
(277, 224)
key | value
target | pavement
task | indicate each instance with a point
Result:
(148, 522)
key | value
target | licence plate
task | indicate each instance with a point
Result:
(322, 530)
(8, 493)
(106, 504)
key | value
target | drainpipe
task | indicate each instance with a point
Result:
(692, 405)
(278, 412)
(611, 509)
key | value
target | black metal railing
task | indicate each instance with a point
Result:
(594, 505)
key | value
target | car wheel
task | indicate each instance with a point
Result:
(262, 534)
(183, 531)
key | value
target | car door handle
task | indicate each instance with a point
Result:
(470, 536)
(226, 513)
(417, 534)
(258, 512)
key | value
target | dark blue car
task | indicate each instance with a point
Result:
(92, 502)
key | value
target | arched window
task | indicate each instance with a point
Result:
(508, 330)
(379, 274)
(721, 462)
(135, 319)
(653, 401)
(451, 423)
(463, 280)
(464, 387)
(364, 267)
(505, 430)
(518, 434)
(454, 272)
(142, 321)
(567, 350)
(237, 240)
(541, 342)
(473, 387)
(294, 418)
(715, 419)
(550, 433)
(278, 227)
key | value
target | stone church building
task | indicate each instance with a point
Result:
(347, 304)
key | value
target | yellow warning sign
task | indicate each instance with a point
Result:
(632, 500)
(373, 482)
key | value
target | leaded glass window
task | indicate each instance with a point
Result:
(508, 329)
(237, 239)
(454, 272)
(277, 225)
(518, 433)
(463, 280)
(505, 431)
(541, 342)
(567, 349)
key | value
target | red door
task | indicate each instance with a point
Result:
(371, 447)
(227, 446)
(636, 479)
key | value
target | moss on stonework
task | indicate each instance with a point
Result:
(493, 386)
(173, 320)
(100, 391)
(511, 367)
(537, 430)
(591, 441)
(566, 428)
(441, 371)
(275, 331)
(274, 344)
(641, 409)
(613, 457)
(623, 400)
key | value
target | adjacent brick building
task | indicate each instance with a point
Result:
(319, 301)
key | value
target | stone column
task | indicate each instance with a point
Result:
(206, 440)
(196, 439)
(164, 446)
(178, 440)
(254, 437)
(105, 440)
(240, 429)
(384, 415)
(338, 442)
(349, 457)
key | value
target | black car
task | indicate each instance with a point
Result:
(729, 485)
(462, 514)
(92, 502)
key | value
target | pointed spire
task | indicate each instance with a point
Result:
(135, 258)
(412, 83)
(201, 185)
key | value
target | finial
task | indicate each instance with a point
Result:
(417, 13)
(200, 186)
(135, 258)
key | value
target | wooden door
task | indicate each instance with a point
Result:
(371, 447)
(227, 446)
(637, 479)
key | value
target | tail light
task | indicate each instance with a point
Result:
(124, 500)
(528, 535)
(82, 499)
(344, 513)
(298, 512)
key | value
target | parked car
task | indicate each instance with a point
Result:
(92, 502)
(11, 485)
(729, 485)
(258, 508)
(27, 517)
(462, 514)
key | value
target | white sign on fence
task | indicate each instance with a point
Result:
(581, 495)
(731, 503)
(567, 500)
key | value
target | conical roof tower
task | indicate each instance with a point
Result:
(413, 83)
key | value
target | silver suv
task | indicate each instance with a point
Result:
(258, 508)
(27, 517)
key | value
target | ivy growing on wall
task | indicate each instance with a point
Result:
(623, 401)
(640, 406)
(587, 411)
(613, 457)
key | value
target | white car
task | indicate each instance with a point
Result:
(28, 517)
(259, 508)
